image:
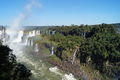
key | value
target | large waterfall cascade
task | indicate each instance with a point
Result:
(39, 69)
(19, 37)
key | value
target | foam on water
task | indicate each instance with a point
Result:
(55, 70)
(68, 77)
(64, 76)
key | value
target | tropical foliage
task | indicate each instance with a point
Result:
(99, 45)
(9, 68)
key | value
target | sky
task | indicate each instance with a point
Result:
(61, 12)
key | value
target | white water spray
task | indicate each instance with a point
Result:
(19, 38)
(14, 28)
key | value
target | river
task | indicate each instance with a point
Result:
(40, 69)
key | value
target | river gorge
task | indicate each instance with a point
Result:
(27, 53)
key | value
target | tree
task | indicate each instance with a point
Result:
(9, 67)
(101, 47)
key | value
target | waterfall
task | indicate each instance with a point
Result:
(74, 56)
(30, 42)
(36, 48)
(19, 37)
(25, 39)
(52, 50)
(31, 33)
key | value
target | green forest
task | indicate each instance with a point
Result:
(96, 45)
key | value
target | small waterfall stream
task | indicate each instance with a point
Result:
(74, 56)
(52, 50)
(36, 48)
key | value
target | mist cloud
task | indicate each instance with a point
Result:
(18, 21)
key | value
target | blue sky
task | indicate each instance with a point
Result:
(62, 12)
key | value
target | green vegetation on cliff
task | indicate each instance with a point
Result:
(98, 46)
